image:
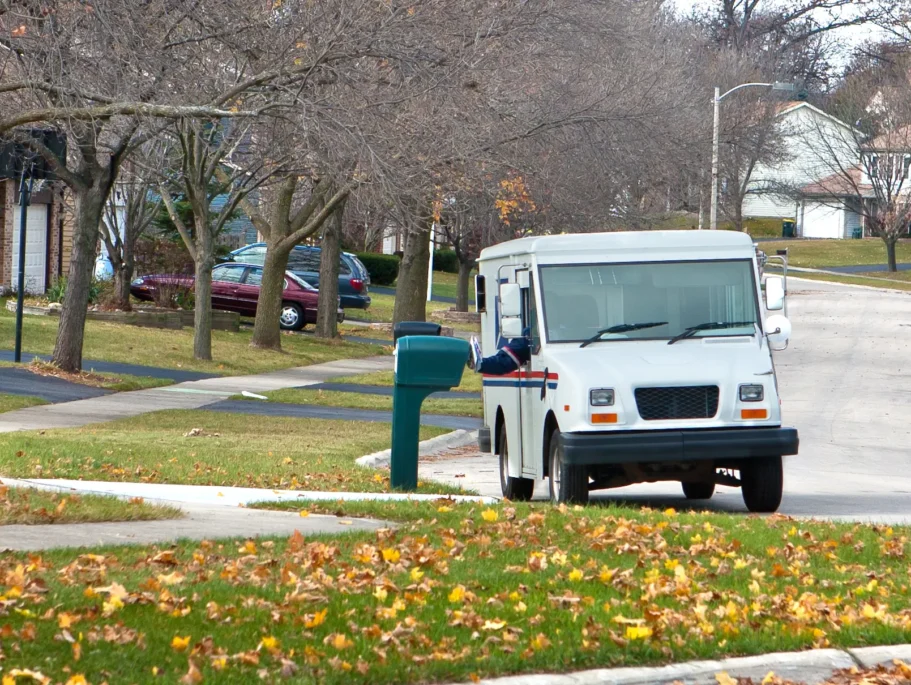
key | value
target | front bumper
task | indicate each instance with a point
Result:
(623, 447)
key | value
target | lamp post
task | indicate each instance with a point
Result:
(716, 101)
(25, 197)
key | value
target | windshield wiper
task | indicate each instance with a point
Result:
(710, 326)
(622, 328)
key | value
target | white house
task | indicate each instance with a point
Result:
(814, 143)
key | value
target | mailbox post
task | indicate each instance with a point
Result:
(423, 365)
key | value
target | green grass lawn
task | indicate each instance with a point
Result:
(818, 254)
(37, 507)
(471, 381)
(456, 593)
(381, 309)
(328, 398)
(14, 402)
(233, 449)
(174, 349)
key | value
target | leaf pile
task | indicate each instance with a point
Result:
(458, 592)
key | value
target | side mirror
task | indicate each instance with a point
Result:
(778, 331)
(511, 327)
(774, 293)
(510, 300)
(480, 293)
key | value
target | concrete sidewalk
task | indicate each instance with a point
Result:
(188, 395)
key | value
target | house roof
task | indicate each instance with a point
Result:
(793, 105)
(898, 140)
(842, 184)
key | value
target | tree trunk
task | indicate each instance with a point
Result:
(202, 316)
(462, 286)
(266, 328)
(89, 208)
(327, 313)
(411, 287)
(890, 253)
(122, 277)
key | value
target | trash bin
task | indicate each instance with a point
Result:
(787, 228)
(423, 365)
(404, 328)
(857, 233)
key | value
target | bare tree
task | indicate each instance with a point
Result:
(330, 252)
(873, 182)
(129, 212)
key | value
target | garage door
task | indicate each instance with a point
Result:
(823, 221)
(35, 249)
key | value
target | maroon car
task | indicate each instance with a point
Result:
(235, 288)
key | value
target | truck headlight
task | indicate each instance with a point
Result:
(601, 397)
(751, 393)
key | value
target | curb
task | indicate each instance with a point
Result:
(811, 667)
(458, 438)
(846, 285)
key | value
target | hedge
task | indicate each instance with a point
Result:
(445, 260)
(383, 268)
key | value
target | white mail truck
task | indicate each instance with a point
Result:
(651, 360)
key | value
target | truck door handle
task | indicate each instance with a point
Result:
(544, 385)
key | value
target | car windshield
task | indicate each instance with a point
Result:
(581, 300)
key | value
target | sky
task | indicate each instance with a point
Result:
(850, 36)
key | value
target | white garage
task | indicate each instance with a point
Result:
(826, 220)
(35, 249)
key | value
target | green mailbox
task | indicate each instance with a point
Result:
(423, 365)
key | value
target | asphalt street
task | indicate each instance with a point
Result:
(845, 384)
(15, 381)
(176, 375)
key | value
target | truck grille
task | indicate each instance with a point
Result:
(695, 402)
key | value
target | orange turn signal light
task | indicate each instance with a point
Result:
(604, 418)
(754, 414)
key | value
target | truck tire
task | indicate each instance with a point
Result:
(698, 490)
(568, 483)
(515, 489)
(762, 483)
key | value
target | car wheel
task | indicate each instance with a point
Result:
(698, 490)
(761, 484)
(291, 317)
(568, 483)
(516, 489)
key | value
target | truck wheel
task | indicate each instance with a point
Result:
(762, 482)
(698, 490)
(568, 483)
(515, 489)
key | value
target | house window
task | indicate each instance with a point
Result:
(873, 166)
(906, 163)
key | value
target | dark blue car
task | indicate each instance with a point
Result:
(353, 279)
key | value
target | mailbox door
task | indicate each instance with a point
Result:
(531, 406)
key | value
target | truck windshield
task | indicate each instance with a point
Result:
(581, 299)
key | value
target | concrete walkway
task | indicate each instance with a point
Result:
(188, 395)
(211, 512)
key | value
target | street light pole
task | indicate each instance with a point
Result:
(25, 195)
(713, 206)
(716, 102)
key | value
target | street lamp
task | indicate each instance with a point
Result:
(777, 86)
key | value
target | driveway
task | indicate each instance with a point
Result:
(15, 381)
(845, 384)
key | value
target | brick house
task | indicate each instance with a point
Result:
(48, 236)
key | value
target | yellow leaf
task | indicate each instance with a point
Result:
(171, 579)
(540, 642)
(318, 618)
(457, 594)
(493, 625)
(269, 643)
(391, 555)
(381, 594)
(416, 574)
(670, 512)
(724, 679)
(340, 641)
(520, 608)
(576, 575)
(179, 644)
(769, 677)
(77, 679)
(490, 515)
(303, 513)
(444, 509)
(638, 632)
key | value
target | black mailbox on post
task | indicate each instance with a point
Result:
(400, 330)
